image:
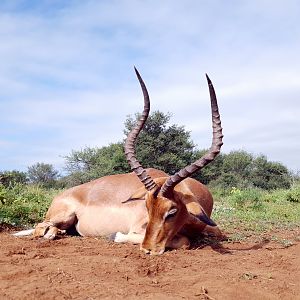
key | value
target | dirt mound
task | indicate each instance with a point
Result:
(93, 268)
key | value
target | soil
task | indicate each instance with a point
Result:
(93, 268)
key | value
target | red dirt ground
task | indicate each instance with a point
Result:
(93, 268)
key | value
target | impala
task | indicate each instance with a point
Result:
(147, 206)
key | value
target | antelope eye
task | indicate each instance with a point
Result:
(171, 213)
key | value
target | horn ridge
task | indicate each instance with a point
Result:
(214, 150)
(129, 146)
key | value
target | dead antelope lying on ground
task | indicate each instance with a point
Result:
(147, 207)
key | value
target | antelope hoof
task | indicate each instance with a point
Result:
(40, 230)
(51, 233)
(46, 231)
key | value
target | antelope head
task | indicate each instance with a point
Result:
(166, 201)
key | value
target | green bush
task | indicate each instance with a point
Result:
(2, 193)
(282, 195)
(24, 204)
(293, 195)
(247, 198)
(274, 196)
(10, 178)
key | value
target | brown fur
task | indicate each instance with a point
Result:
(95, 208)
(85, 205)
(190, 197)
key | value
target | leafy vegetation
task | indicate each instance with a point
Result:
(8, 178)
(293, 195)
(24, 204)
(91, 163)
(253, 211)
(244, 170)
(43, 174)
(160, 146)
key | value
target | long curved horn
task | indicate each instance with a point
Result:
(129, 146)
(214, 150)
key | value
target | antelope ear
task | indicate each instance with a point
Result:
(137, 195)
(197, 211)
(203, 217)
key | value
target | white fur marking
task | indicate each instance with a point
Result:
(24, 232)
(120, 237)
(49, 236)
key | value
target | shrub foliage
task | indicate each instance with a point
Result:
(24, 204)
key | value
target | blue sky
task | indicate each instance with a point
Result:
(67, 78)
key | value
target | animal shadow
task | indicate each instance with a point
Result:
(217, 244)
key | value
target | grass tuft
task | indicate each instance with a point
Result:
(255, 212)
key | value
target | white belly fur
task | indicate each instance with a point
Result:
(104, 221)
